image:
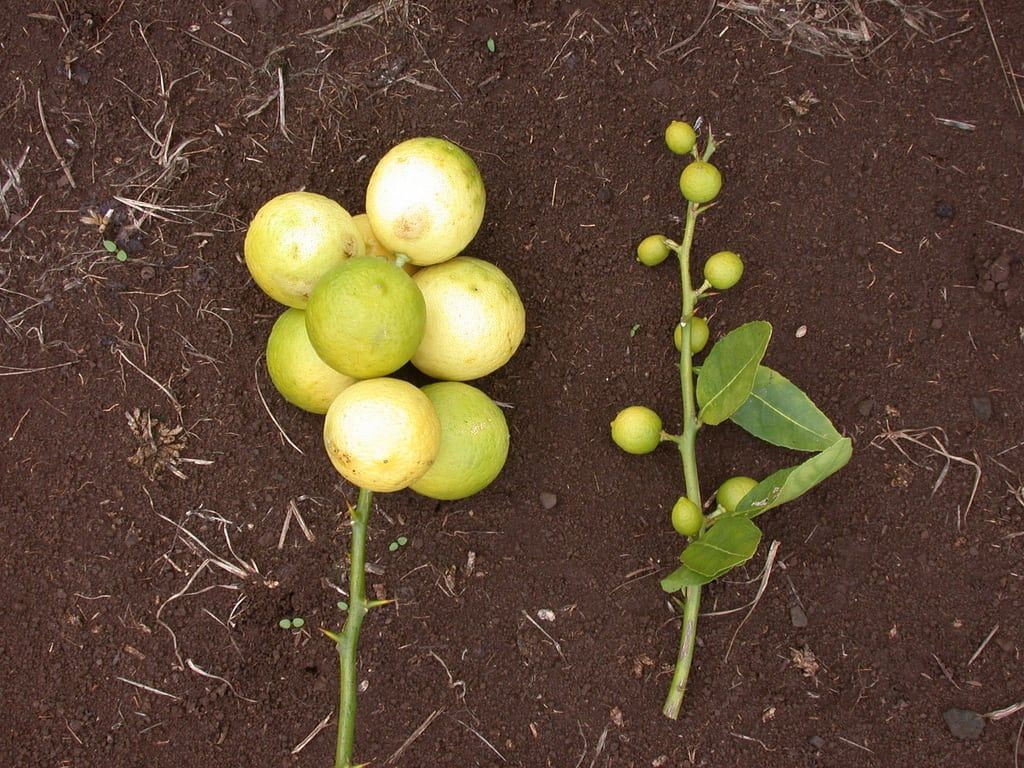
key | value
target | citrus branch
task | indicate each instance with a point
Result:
(688, 454)
(347, 641)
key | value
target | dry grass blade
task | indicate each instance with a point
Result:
(839, 29)
(259, 391)
(1004, 67)
(414, 735)
(49, 140)
(927, 438)
(480, 736)
(362, 18)
(313, 734)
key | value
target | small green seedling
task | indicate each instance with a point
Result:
(394, 546)
(634, 329)
(490, 44)
(730, 385)
(296, 623)
(111, 247)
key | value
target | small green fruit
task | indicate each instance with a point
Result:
(731, 492)
(699, 334)
(723, 270)
(652, 250)
(637, 429)
(700, 182)
(687, 518)
(680, 137)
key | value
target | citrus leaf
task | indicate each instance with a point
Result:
(683, 577)
(792, 482)
(779, 413)
(727, 376)
(730, 542)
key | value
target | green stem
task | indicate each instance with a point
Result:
(688, 453)
(348, 640)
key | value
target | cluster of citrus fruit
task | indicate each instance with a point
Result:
(368, 294)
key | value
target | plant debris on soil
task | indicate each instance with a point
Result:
(873, 156)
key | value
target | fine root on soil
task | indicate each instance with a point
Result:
(927, 438)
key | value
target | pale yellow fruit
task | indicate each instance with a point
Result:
(382, 434)
(475, 319)
(296, 369)
(293, 240)
(425, 199)
(374, 246)
(474, 442)
(365, 318)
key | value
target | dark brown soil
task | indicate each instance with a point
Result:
(894, 238)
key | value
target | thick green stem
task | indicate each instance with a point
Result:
(688, 453)
(348, 640)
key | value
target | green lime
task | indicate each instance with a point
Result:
(474, 442)
(687, 517)
(652, 250)
(732, 491)
(366, 317)
(637, 429)
(296, 369)
(723, 270)
(680, 137)
(699, 333)
(700, 182)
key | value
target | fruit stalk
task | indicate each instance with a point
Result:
(348, 640)
(688, 454)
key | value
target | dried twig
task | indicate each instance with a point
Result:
(414, 735)
(361, 18)
(49, 140)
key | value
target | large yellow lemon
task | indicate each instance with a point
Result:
(475, 319)
(382, 434)
(296, 369)
(293, 240)
(425, 199)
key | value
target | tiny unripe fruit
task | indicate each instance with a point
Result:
(652, 250)
(699, 333)
(687, 518)
(700, 182)
(723, 270)
(731, 492)
(637, 429)
(680, 137)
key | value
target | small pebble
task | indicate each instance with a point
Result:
(945, 210)
(964, 724)
(797, 616)
(816, 741)
(801, 331)
(328, 13)
(548, 500)
(146, 273)
(937, 324)
(982, 407)
(546, 614)
(604, 195)
(866, 407)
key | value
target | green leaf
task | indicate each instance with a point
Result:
(121, 256)
(490, 44)
(792, 482)
(109, 245)
(730, 542)
(727, 375)
(779, 413)
(683, 577)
